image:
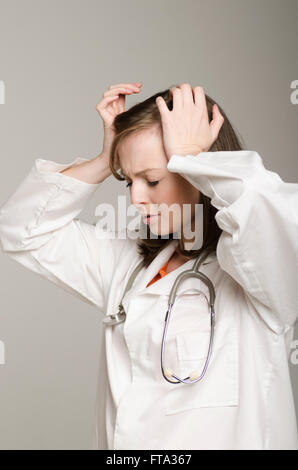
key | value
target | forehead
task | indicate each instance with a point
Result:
(140, 150)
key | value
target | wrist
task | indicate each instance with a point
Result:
(187, 150)
(101, 166)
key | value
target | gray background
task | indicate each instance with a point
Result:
(57, 57)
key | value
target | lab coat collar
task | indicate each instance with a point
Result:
(163, 285)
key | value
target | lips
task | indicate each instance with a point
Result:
(148, 218)
(147, 214)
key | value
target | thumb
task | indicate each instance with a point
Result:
(217, 122)
(161, 104)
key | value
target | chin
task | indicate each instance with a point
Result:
(161, 233)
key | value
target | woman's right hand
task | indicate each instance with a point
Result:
(112, 104)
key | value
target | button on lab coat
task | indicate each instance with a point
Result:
(245, 400)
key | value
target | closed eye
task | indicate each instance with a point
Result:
(151, 183)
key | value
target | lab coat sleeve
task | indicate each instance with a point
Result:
(39, 228)
(258, 215)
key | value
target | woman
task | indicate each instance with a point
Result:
(245, 399)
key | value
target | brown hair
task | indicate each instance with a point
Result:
(145, 115)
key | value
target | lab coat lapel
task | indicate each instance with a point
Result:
(164, 285)
(147, 274)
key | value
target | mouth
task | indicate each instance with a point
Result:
(148, 218)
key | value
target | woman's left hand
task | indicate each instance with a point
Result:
(186, 129)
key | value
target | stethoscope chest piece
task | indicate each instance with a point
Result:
(115, 318)
(120, 316)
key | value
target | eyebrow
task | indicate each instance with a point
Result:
(140, 172)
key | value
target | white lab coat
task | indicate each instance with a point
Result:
(245, 400)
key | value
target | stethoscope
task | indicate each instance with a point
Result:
(120, 316)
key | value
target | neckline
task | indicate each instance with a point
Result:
(147, 274)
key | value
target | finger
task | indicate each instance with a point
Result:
(162, 106)
(102, 104)
(187, 95)
(172, 89)
(200, 98)
(130, 85)
(217, 122)
(118, 106)
(124, 84)
(177, 97)
(123, 90)
(200, 102)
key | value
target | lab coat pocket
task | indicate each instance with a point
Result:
(219, 385)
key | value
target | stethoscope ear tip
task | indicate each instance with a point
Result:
(168, 372)
(194, 375)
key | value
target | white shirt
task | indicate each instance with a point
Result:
(245, 400)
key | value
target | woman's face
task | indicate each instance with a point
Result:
(155, 189)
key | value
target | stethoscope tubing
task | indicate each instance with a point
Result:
(120, 316)
(172, 296)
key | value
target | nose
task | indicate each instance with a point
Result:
(139, 196)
